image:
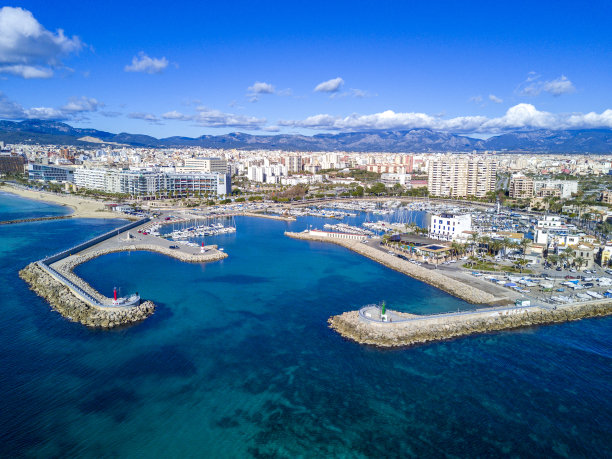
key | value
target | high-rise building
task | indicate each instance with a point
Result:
(460, 176)
(520, 186)
(205, 165)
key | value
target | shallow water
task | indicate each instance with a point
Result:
(238, 361)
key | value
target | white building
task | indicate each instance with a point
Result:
(448, 227)
(205, 165)
(392, 179)
(565, 187)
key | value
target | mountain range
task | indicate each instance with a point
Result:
(412, 140)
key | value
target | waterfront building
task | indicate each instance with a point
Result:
(393, 179)
(152, 183)
(461, 177)
(447, 227)
(520, 186)
(566, 187)
(49, 173)
(204, 165)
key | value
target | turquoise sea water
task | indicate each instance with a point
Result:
(238, 362)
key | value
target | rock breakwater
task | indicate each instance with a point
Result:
(443, 327)
(64, 301)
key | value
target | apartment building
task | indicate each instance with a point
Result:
(460, 176)
(151, 183)
(520, 186)
(204, 165)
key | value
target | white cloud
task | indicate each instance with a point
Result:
(332, 85)
(149, 117)
(29, 50)
(174, 115)
(476, 99)
(217, 119)
(521, 116)
(144, 63)
(494, 98)
(533, 86)
(559, 86)
(82, 104)
(27, 71)
(9, 109)
(259, 87)
(76, 109)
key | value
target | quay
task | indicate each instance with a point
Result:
(53, 278)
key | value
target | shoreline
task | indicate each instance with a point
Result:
(434, 278)
(81, 207)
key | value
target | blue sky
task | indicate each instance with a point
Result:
(193, 68)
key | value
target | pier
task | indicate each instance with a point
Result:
(53, 277)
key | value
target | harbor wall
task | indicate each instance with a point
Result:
(447, 326)
(63, 299)
(434, 278)
(96, 240)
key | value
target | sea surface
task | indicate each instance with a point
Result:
(238, 361)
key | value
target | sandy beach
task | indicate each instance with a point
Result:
(82, 207)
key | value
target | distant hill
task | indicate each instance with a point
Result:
(413, 140)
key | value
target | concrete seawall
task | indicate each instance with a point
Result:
(417, 330)
(433, 278)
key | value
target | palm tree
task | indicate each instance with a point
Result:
(521, 264)
(474, 240)
(554, 259)
(569, 253)
(579, 261)
(523, 244)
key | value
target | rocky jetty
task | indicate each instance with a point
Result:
(64, 301)
(436, 279)
(38, 219)
(437, 328)
(211, 255)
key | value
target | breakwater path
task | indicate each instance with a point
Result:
(53, 277)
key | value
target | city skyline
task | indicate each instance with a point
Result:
(270, 68)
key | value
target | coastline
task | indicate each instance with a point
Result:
(434, 278)
(81, 207)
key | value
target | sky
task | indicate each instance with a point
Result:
(195, 68)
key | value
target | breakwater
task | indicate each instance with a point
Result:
(30, 220)
(434, 278)
(422, 329)
(268, 216)
(76, 309)
(53, 278)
